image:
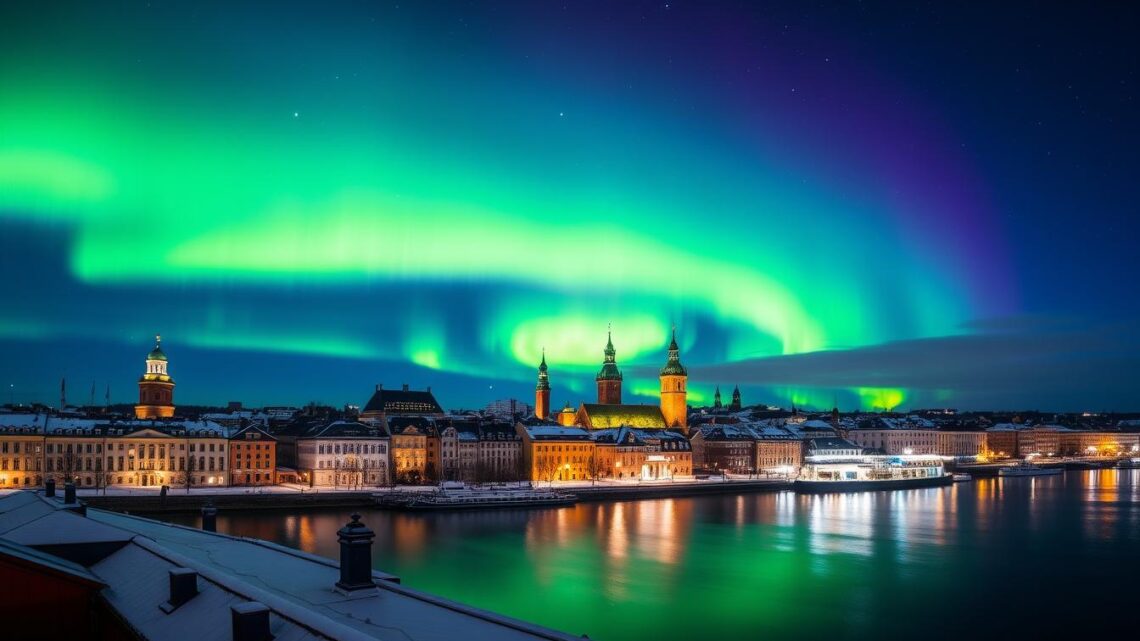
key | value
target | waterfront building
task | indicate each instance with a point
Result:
(156, 387)
(1016, 440)
(253, 456)
(724, 448)
(499, 453)
(410, 436)
(739, 447)
(388, 403)
(821, 448)
(344, 454)
(95, 453)
(556, 453)
(777, 451)
(118, 576)
(922, 441)
(647, 455)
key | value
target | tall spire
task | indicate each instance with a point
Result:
(673, 366)
(543, 375)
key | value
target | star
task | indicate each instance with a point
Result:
(560, 114)
(296, 114)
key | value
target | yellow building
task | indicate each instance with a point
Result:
(557, 453)
(409, 448)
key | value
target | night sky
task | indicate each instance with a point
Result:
(877, 206)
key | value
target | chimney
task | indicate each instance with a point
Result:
(250, 621)
(209, 517)
(429, 389)
(355, 556)
(69, 492)
(49, 488)
(183, 586)
(405, 387)
(378, 386)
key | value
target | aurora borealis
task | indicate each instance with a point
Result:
(306, 200)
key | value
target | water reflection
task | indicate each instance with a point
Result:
(866, 565)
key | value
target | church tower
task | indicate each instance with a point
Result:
(156, 388)
(735, 404)
(542, 391)
(716, 399)
(674, 376)
(609, 378)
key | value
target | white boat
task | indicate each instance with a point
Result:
(961, 477)
(1026, 468)
(869, 473)
(475, 499)
(1128, 463)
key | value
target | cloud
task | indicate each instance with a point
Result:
(1041, 362)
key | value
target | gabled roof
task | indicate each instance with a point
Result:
(252, 427)
(346, 429)
(403, 401)
(600, 416)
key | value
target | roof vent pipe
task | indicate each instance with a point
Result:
(355, 556)
(209, 517)
(250, 621)
(69, 492)
(49, 488)
(183, 586)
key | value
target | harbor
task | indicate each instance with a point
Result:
(766, 564)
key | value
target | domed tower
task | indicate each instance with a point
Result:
(609, 378)
(674, 396)
(156, 388)
(567, 416)
(735, 404)
(542, 391)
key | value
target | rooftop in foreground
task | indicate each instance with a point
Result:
(134, 558)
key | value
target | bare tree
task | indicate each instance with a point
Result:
(67, 466)
(595, 467)
(186, 477)
(547, 468)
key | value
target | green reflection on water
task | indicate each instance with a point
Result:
(971, 559)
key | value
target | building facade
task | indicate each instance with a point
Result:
(253, 456)
(344, 454)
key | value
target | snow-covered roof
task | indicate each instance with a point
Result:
(556, 431)
(297, 588)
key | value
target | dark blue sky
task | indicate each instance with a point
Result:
(883, 204)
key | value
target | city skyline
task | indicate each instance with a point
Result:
(431, 195)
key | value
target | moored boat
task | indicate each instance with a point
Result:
(1025, 468)
(472, 500)
(962, 477)
(870, 473)
(1128, 463)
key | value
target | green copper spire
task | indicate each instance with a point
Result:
(673, 366)
(610, 371)
(156, 354)
(543, 376)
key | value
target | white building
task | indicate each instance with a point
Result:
(344, 454)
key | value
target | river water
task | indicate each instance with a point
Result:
(994, 558)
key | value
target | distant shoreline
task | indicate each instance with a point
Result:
(174, 502)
